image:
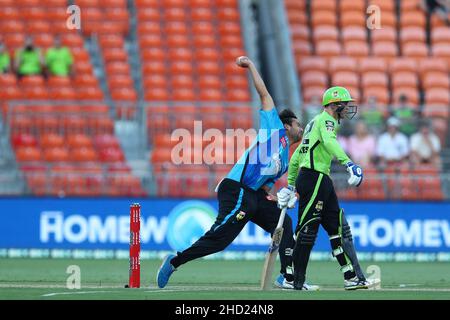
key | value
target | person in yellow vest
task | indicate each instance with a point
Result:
(58, 59)
(5, 60)
(28, 60)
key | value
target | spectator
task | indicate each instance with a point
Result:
(371, 115)
(425, 146)
(392, 145)
(59, 59)
(407, 115)
(439, 7)
(28, 60)
(361, 145)
(5, 61)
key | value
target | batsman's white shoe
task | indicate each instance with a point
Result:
(310, 287)
(355, 283)
(282, 283)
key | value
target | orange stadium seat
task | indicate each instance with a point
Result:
(182, 81)
(387, 34)
(342, 64)
(310, 92)
(214, 82)
(382, 95)
(302, 48)
(386, 50)
(114, 54)
(324, 5)
(328, 49)
(148, 27)
(202, 27)
(356, 49)
(440, 35)
(416, 19)
(415, 50)
(412, 34)
(52, 140)
(56, 155)
(297, 17)
(324, 33)
(436, 80)
(404, 79)
(79, 140)
(437, 101)
(312, 64)
(174, 14)
(23, 140)
(83, 154)
(437, 96)
(442, 50)
(235, 82)
(345, 79)
(352, 5)
(181, 67)
(374, 79)
(352, 18)
(295, 4)
(314, 78)
(208, 68)
(323, 18)
(300, 32)
(228, 13)
(402, 64)
(385, 5)
(432, 65)
(180, 54)
(354, 33)
(229, 28)
(25, 154)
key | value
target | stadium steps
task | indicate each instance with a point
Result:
(99, 67)
(133, 52)
(11, 180)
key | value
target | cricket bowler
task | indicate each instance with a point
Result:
(309, 171)
(243, 195)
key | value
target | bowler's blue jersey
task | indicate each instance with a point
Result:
(267, 158)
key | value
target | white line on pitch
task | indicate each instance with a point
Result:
(76, 292)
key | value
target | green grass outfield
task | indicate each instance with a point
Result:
(211, 279)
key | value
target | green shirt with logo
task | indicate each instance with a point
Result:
(30, 62)
(58, 61)
(4, 61)
(318, 148)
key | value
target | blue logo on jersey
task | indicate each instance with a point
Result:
(188, 221)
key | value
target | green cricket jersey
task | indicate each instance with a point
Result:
(319, 146)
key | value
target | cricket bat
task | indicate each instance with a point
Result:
(271, 255)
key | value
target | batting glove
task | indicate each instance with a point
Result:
(356, 174)
(287, 197)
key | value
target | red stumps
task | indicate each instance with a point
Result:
(135, 246)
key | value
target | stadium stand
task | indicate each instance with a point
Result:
(409, 58)
(63, 129)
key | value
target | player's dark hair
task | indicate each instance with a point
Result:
(287, 116)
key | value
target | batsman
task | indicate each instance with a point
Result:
(243, 195)
(309, 175)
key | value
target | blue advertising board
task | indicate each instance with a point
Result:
(170, 224)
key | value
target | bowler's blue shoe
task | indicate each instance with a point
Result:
(165, 271)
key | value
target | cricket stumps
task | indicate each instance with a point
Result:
(135, 246)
